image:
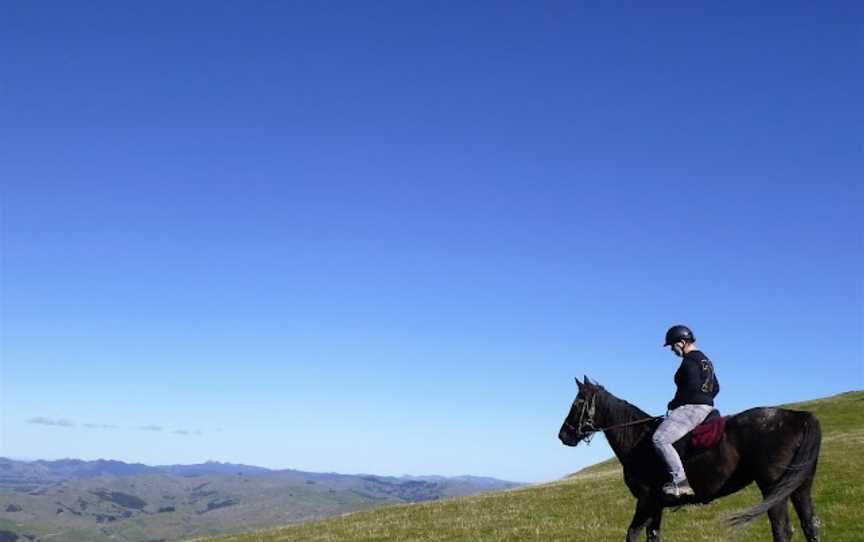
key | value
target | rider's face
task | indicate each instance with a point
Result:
(678, 348)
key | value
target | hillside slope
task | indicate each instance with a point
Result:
(594, 504)
(94, 501)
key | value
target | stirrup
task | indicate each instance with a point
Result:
(677, 490)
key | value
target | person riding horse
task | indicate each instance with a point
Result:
(697, 386)
(777, 448)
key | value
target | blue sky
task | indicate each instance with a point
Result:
(384, 237)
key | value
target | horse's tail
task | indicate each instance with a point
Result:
(800, 468)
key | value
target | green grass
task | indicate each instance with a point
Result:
(594, 504)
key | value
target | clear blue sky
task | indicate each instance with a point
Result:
(383, 237)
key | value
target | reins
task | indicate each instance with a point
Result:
(592, 429)
(635, 422)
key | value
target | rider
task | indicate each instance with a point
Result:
(693, 401)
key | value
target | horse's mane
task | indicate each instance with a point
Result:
(618, 410)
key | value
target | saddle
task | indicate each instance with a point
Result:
(704, 436)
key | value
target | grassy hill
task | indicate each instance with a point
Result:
(595, 505)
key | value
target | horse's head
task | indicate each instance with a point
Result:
(579, 423)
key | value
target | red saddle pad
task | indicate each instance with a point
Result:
(709, 433)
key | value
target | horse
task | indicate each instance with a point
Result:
(776, 448)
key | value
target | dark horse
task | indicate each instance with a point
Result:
(776, 448)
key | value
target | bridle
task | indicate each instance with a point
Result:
(586, 429)
(586, 420)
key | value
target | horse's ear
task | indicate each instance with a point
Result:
(579, 384)
(587, 382)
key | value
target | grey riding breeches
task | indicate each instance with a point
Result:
(678, 423)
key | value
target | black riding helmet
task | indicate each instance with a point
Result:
(679, 333)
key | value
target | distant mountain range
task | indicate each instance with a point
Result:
(23, 473)
(74, 500)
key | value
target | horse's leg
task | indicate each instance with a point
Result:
(781, 529)
(653, 529)
(645, 508)
(804, 508)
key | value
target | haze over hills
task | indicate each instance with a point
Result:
(103, 499)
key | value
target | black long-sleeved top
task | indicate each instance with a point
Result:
(696, 381)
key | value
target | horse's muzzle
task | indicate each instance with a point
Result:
(567, 438)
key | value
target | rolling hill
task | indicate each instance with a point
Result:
(594, 505)
(74, 500)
